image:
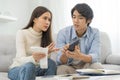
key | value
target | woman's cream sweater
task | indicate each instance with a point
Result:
(24, 40)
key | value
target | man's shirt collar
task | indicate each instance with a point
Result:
(85, 35)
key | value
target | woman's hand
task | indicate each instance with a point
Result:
(37, 56)
(51, 48)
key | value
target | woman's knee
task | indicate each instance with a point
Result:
(13, 73)
(29, 65)
(28, 68)
(25, 71)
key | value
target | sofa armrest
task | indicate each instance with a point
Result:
(113, 59)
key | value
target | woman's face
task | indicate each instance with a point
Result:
(79, 21)
(43, 22)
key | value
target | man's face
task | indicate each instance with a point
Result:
(79, 21)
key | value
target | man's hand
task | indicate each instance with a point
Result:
(76, 54)
(64, 58)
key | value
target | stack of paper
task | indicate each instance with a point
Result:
(98, 72)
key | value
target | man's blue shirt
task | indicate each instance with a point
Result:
(89, 43)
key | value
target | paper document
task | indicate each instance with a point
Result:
(98, 71)
(44, 61)
(70, 77)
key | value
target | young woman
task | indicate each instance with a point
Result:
(37, 33)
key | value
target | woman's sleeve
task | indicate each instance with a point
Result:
(21, 51)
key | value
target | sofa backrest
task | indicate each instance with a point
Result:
(105, 46)
(7, 51)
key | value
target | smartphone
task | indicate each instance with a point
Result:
(73, 43)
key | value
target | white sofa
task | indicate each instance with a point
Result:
(8, 50)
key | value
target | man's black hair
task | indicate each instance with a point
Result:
(83, 9)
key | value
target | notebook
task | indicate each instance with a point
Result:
(95, 72)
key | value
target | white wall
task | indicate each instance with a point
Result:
(18, 9)
(22, 9)
(106, 15)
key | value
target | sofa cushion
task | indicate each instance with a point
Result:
(105, 46)
(113, 59)
(111, 66)
(4, 76)
(7, 51)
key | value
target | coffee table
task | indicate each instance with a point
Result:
(57, 77)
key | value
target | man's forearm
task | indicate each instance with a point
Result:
(86, 58)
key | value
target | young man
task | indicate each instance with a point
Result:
(86, 54)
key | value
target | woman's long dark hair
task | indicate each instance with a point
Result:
(46, 36)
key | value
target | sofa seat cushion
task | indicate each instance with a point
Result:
(105, 46)
(4, 76)
(113, 59)
(111, 66)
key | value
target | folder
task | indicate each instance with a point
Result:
(97, 72)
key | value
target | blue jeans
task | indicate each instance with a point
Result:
(29, 71)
